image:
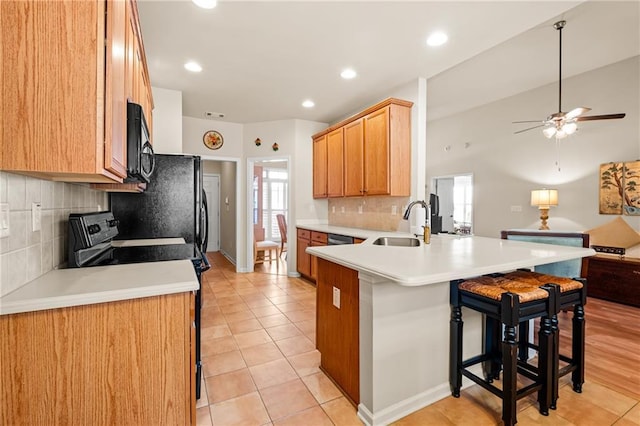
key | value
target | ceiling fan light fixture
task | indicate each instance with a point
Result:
(549, 131)
(561, 134)
(570, 127)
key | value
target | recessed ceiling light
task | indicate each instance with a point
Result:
(348, 74)
(205, 4)
(308, 104)
(193, 66)
(437, 39)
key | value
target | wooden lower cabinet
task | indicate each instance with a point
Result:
(120, 363)
(337, 329)
(613, 279)
(307, 264)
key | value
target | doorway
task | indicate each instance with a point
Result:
(211, 186)
(455, 194)
(269, 197)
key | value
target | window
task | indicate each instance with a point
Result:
(275, 184)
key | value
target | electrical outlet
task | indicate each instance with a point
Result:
(359, 209)
(336, 297)
(342, 209)
(516, 209)
(394, 210)
(36, 216)
(4, 220)
(333, 209)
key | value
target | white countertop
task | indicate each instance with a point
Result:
(349, 232)
(147, 242)
(448, 257)
(82, 286)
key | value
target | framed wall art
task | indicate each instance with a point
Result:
(620, 188)
(212, 139)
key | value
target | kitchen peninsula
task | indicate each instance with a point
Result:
(403, 312)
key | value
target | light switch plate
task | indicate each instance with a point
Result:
(336, 297)
(4, 220)
(36, 216)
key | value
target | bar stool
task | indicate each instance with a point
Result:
(509, 303)
(573, 295)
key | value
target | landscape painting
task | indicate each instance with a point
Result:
(620, 188)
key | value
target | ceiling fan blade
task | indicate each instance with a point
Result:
(527, 121)
(601, 117)
(576, 112)
(530, 128)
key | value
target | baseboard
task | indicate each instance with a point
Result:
(403, 408)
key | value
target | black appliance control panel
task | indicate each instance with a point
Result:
(87, 230)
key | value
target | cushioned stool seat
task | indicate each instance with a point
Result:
(509, 301)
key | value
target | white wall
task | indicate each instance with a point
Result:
(167, 121)
(506, 166)
(194, 128)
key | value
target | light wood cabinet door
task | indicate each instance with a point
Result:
(354, 158)
(115, 141)
(335, 159)
(303, 259)
(376, 153)
(128, 362)
(320, 167)
(338, 329)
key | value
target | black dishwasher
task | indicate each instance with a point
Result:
(337, 240)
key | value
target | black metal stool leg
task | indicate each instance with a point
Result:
(523, 341)
(510, 309)
(492, 330)
(577, 376)
(455, 341)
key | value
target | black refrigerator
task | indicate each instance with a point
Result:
(173, 206)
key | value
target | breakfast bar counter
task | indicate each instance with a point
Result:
(404, 312)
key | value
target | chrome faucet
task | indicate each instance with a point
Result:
(413, 203)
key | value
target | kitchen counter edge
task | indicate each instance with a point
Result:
(63, 288)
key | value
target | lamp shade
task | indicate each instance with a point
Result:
(544, 197)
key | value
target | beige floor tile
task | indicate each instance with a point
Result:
(244, 326)
(532, 417)
(231, 299)
(229, 385)
(258, 301)
(306, 363)
(302, 315)
(273, 320)
(289, 307)
(321, 387)
(280, 332)
(272, 373)
(222, 363)
(599, 395)
(234, 307)
(252, 338)
(259, 354)
(341, 412)
(295, 345)
(631, 417)
(426, 416)
(239, 316)
(280, 299)
(217, 346)
(215, 331)
(264, 311)
(272, 292)
(601, 411)
(306, 326)
(314, 416)
(286, 399)
(203, 416)
(243, 410)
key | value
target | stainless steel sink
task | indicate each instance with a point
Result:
(397, 242)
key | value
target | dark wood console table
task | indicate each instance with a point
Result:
(615, 279)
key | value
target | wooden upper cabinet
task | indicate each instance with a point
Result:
(354, 156)
(115, 150)
(320, 167)
(376, 153)
(377, 150)
(335, 161)
(64, 89)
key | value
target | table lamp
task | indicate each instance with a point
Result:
(543, 199)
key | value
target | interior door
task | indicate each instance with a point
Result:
(211, 185)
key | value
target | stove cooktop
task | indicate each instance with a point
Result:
(140, 254)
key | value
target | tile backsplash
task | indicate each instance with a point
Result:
(24, 254)
(377, 213)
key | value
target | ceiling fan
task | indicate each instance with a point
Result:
(562, 124)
